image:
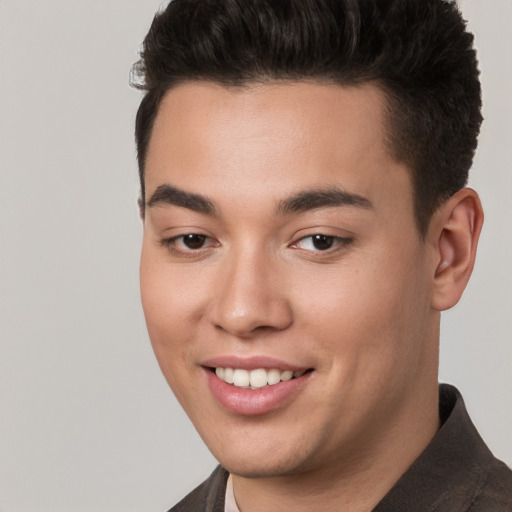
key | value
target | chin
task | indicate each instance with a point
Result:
(259, 469)
(264, 463)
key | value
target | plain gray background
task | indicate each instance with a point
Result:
(86, 420)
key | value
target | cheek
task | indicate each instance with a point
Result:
(366, 317)
(169, 313)
(170, 298)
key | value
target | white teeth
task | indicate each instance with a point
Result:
(273, 377)
(257, 378)
(228, 375)
(241, 378)
(286, 375)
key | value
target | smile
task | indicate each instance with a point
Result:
(256, 390)
(257, 378)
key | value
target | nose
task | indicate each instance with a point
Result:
(250, 297)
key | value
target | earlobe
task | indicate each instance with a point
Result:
(456, 232)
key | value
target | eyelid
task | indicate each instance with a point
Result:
(172, 243)
(169, 243)
(340, 243)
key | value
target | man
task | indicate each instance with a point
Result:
(303, 167)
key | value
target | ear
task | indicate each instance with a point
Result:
(454, 232)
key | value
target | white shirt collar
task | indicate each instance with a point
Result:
(230, 502)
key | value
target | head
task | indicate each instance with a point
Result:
(302, 168)
(418, 54)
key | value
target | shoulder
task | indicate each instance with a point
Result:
(478, 481)
(495, 493)
(207, 497)
(456, 473)
(485, 479)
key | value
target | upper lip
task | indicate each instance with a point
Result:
(251, 363)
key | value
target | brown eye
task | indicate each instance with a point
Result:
(190, 245)
(193, 241)
(322, 242)
(318, 243)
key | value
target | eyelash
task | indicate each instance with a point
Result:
(171, 245)
(338, 244)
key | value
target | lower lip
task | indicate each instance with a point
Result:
(255, 401)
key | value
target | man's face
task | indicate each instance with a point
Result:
(279, 235)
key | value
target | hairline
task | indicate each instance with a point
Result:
(390, 105)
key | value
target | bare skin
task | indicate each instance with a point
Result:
(244, 259)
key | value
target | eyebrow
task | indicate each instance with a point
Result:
(321, 198)
(167, 194)
(300, 202)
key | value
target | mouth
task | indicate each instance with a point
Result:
(255, 385)
(257, 378)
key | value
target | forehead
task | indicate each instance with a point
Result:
(295, 113)
(270, 140)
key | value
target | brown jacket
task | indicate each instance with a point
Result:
(455, 473)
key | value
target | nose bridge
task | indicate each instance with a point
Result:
(249, 297)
